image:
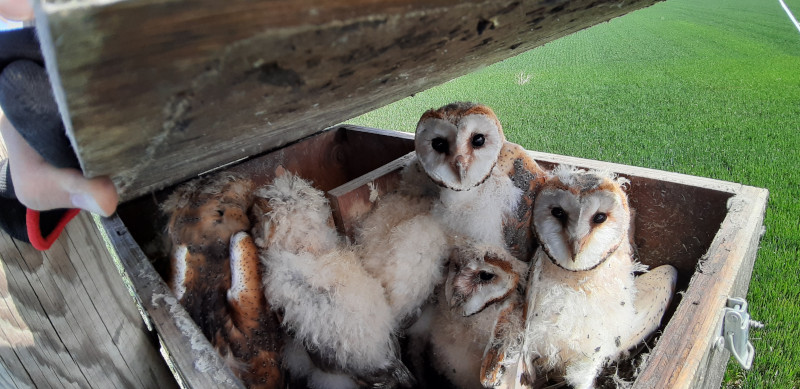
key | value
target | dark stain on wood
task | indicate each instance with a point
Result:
(312, 63)
(509, 8)
(483, 24)
(414, 40)
(535, 21)
(273, 74)
(346, 73)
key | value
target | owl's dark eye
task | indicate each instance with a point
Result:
(478, 140)
(440, 145)
(485, 276)
(599, 218)
(558, 213)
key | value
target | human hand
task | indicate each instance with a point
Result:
(16, 10)
(41, 186)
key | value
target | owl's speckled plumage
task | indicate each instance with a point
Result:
(216, 276)
(487, 183)
(582, 296)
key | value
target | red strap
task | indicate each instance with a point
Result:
(35, 232)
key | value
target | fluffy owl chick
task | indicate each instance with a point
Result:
(581, 289)
(337, 314)
(476, 325)
(487, 183)
(408, 260)
(216, 276)
(404, 246)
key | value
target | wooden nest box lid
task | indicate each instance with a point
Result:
(156, 91)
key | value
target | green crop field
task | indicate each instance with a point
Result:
(702, 87)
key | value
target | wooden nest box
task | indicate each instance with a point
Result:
(155, 92)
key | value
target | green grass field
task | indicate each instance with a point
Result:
(708, 88)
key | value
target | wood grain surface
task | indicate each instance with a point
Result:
(156, 91)
(685, 356)
(68, 321)
(196, 362)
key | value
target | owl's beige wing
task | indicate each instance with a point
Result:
(498, 367)
(654, 291)
(528, 176)
(216, 276)
(252, 332)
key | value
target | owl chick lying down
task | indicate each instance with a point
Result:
(216, 277)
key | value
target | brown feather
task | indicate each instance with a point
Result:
(529, 177)
(203, 216)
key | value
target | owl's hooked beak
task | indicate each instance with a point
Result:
(460, 166)
(577, 246)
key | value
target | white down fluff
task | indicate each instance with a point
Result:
(479, 213)
(405, 248)
(577, 320)
(457, 343)
(330, 304)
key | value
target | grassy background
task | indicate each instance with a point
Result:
(709, 88)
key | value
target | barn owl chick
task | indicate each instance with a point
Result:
(487, 183)
(476, 324)
(337, 314)
(404, 246)
(581, 291)
(408, 258)
(216, 276)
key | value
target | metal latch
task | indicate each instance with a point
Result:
(736, 332)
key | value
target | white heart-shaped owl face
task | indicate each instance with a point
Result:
(460, 153)
(580, 226)
(479, 276)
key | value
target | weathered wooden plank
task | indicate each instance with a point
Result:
(628, 170)
(155, 91)
(684, 356)
(13, 331)
(195, 361)
(711, 370)
(68, 319)
(46, 358)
